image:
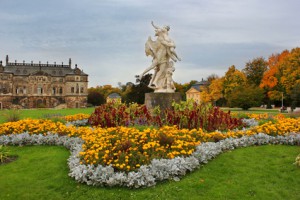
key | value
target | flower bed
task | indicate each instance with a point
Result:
(146, 175)
(126, 149)
(130, 157)
(76, 117)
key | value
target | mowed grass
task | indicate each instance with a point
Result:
(260, 172)
(273, 111)
(44, 113)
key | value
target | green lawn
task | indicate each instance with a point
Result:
(42, 113)
(253, 110)
(260, 172)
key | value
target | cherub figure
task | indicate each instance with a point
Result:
(169, 79)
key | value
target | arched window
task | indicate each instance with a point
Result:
(72, 89)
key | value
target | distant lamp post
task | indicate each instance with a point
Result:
(282, 100)
(282, 108)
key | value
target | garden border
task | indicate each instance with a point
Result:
(147, 175)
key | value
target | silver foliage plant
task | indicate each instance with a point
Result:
(250, 122)
(146, 175)
(82, 122)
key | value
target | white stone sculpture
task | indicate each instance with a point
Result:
(162, 50)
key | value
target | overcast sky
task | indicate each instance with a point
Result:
(106, 38)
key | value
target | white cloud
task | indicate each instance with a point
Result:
(107, 37)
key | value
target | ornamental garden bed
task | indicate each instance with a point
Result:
(127, 156)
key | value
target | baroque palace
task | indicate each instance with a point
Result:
(36, 85)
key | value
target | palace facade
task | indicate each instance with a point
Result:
(37, 85)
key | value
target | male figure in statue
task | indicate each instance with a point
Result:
(162, 50)
(163, 37)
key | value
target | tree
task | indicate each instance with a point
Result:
(283, 73)
(205, 94)
(216, 89)
(295, 96)
(212, 77)
(232, 80)
(95, 97)
(255, 69)
(183, 88)
(247, 96)
(136, 92)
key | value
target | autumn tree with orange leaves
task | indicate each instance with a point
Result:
(283, 74)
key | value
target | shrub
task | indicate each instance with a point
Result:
(187, 114)
(245, 100)
(297, 162)
(3, 154)
(192, 115)
(12, 115)
(115, 114)
(55, 117)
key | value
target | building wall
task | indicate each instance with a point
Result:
(193, 94)
(40, 89)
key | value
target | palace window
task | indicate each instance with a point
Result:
(40, 90)
(77, 88)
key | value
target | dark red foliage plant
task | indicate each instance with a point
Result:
(189, 114)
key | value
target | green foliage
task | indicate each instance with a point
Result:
(55, 117)
(263, 121)
(247, 97)
(12, 115)
(4, 153)
(233, 79)
(255, 70)
(295, 96)
(136, 92)
(95, 98)
(269, 106)
(105, 90)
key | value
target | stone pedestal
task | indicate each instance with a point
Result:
(163, 100)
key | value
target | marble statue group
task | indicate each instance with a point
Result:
(163, 53)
